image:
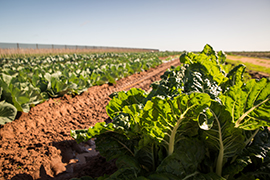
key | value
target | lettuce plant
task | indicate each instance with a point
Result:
(19, 92)
(7, 111)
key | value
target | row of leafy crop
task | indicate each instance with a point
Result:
(29, 81)
(198, 122)
(32, 61)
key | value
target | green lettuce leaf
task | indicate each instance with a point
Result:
(235, 77)
(184, 160)
(198, 79)
(7, 112)
(112, 145)
(170, 85)
(222, 138)
(19, 92)
(84, 135)
(254, 160)
(122, 98)
(208, 63)
(163, 117)
(249, 105)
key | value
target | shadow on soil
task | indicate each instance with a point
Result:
(79, 160)
(43, 176)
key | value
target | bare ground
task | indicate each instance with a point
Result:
(255, 61)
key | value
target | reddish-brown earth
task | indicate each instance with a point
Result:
(252, 60)
(37, 145)
(256, 61)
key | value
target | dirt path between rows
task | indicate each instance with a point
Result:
(37, 145)
(255, 61)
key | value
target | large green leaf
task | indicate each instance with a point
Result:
(199, 79)
(163, 117)
(122, 98)
(170, 85)
(223, 139)
(49, 78)
(59, 85)
(208, 63)
(235, 77)
(208, 50)
(39, 82)
(128, 168)
(114, 139)
(128, 161)
(7, 112)
(20, 99)
(185, 160)
(19, 92)
(208, 54)
(249, 105)
(84, 135)
(113, 145)
(221, 57)
(209, 70)
(254, 160)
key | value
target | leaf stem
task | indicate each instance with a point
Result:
(221, 148)
(172, 138)
(237, 124)
(251, 137)
(190, 175)
(125, 147)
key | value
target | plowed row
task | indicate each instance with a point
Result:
(37, 145)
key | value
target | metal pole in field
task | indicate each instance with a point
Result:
(18, 47)
(37, 46)
(65, 46)
(52, 46)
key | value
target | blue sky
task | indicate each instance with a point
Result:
(175, 25)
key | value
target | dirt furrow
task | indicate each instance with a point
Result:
(38, 145)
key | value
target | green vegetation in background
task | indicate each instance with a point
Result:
(251, 66)
(39, 55)
(25, 82)
(256, 54)
(200, 121)
(19, 56)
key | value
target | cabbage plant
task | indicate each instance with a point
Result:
(7, 111)
(29, 81)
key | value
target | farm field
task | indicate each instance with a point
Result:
(28, 81)
(252, 60)
(257, 67)
(38, 52)
(258, 54)
(41, 144)
(38, 144)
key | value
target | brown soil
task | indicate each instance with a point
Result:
(37, 145)
(256, 61)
